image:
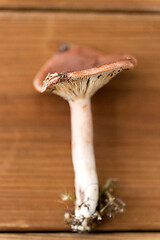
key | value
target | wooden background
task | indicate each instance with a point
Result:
(35, 155)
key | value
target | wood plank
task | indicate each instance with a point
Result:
(59, 236)
(35, 157)
(109, 5)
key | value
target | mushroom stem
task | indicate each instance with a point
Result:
(86, 181)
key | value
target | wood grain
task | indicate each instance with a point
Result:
(35, 156)
(102, 5)
(66, 236)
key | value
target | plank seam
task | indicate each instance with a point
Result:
(67, 232)
(98, 11)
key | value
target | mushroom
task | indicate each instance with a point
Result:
(77, 73)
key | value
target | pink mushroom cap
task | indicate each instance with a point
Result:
(80, 71)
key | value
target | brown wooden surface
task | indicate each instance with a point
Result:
(104, 5)
(66, 236)
(35, 156)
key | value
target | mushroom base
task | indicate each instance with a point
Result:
(108, 206)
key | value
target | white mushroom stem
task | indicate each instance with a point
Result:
(86, 181)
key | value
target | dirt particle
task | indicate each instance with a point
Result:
(99, 75)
